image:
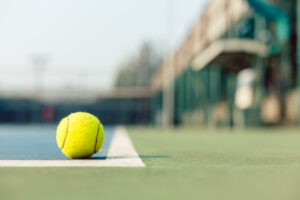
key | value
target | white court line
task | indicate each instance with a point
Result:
(121, 153)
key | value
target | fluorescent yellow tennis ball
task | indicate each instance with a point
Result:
(80, 135)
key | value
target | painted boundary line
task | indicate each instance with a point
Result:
(121, 153)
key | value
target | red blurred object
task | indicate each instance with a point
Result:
(47, 113)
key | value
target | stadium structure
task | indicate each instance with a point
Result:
(237, 67)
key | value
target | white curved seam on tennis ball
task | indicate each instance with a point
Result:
(97, 137)
(65, 140)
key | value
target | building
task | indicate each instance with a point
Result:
(237, 67)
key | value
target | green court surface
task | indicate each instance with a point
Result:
(180, 164)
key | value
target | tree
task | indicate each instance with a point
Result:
(137, 70)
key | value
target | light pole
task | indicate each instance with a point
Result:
(168, 70)
(39, 63)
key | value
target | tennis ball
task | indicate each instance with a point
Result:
(80, 135)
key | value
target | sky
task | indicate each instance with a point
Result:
(83, 42)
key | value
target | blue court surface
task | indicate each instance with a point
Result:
(38, 142)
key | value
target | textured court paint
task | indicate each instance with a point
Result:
(121, 153)
(182, 163)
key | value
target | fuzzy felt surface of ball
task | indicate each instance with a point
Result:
(80, 135)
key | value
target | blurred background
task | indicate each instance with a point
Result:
(229, 63)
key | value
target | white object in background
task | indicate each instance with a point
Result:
(244, 95)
